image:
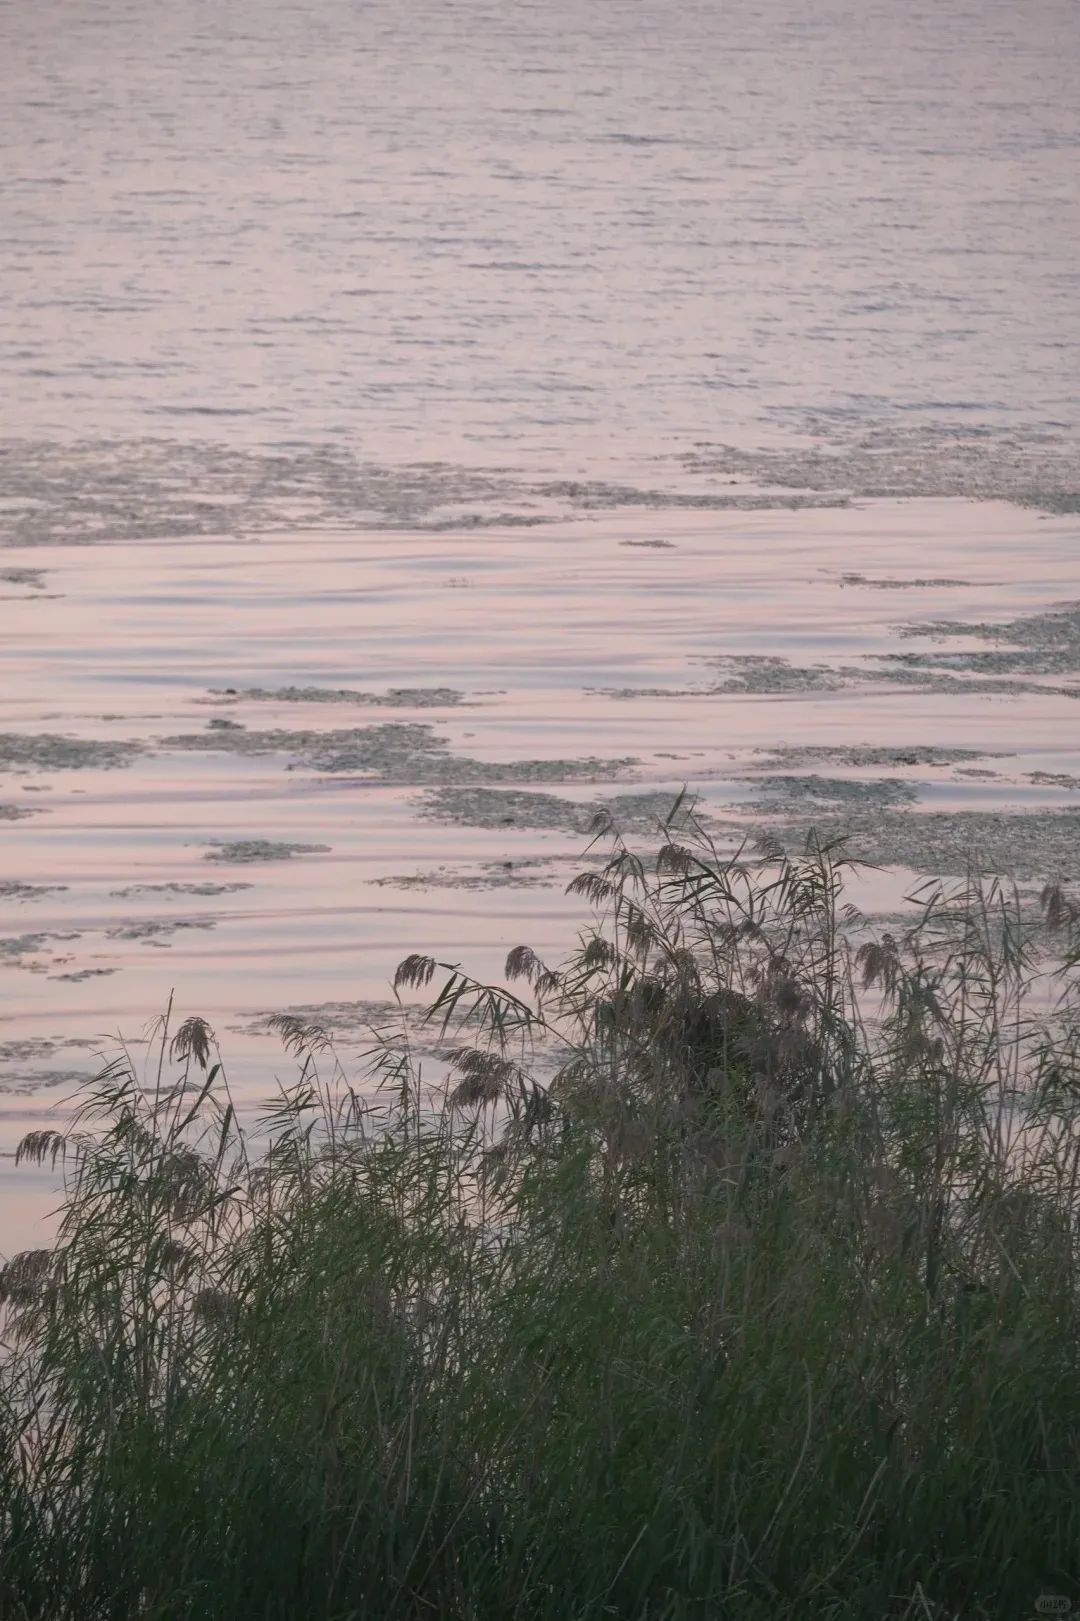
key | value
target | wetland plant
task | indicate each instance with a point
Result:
(729, 1269)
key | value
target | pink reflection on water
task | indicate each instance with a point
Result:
(545, 634)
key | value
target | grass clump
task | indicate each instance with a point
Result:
(758, 1299)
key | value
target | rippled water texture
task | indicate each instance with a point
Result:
(555, 233)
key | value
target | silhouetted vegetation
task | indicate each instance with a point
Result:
(732, 1272)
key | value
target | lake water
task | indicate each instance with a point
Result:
(423, 422)
(558, 233)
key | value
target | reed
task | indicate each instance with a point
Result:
(731, 1271)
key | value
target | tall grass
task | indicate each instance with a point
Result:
(761, 1303)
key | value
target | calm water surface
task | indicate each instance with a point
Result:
(556, 232)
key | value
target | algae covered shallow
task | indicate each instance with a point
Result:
(48, 751)
(323, 750)
(253, 850)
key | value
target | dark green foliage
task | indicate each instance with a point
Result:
(758, 1300)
